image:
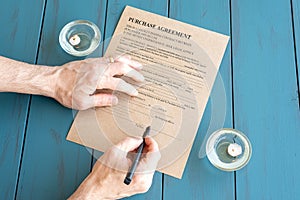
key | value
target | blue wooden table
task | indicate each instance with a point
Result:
(260, 72)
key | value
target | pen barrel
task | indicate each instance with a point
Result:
(137, 158)
(134, 165)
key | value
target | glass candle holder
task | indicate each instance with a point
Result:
(228, 149)
(79, 38)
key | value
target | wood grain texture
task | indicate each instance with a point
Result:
(19, 42)
(201, 180)
(296, 18)
(265, 96)
(53, 167)
(115, 9)
(266, 102)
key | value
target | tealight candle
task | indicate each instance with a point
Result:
(234, 149)
(80, 38)
(74, 40)
(228, 149)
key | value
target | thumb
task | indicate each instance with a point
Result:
(100, 100)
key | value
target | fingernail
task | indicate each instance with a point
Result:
(114, 101)
(140, 78)
(138, 65)
(135, 93)
(127, 56)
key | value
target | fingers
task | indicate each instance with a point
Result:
(123, 65)
(117, 84)
(120, 68)
(126, 59)
(116, 156)
(104, 100)
(152, 145)
(129, 144)
(151, 157)
(152, 151)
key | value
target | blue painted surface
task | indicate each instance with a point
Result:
(265, 97)
(18, 42)
(296, 17)
(265, 103)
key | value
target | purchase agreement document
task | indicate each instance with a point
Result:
(180, 63)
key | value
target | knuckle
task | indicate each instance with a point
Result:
(103, 80)
(120, 67)
(101, 100)
(85, 64)
(80, 105)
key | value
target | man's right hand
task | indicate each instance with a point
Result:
(106, 180)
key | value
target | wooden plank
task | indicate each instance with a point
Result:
(296, 18)
(201, 180)
(265, 96)
(53, 167)
(19, 42)
(115, 9)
